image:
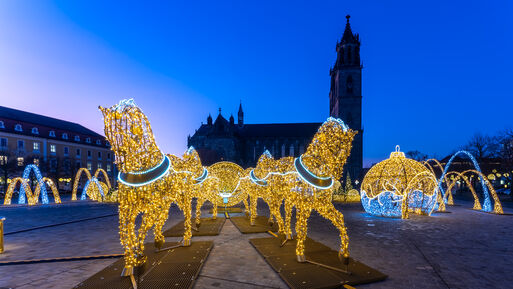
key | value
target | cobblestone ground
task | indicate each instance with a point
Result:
(461, 249)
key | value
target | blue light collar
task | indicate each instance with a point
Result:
(309, 177)
(137, 179)
(256, 180)
(201, 178)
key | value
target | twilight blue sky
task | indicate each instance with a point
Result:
(435, 72)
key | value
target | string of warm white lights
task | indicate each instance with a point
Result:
(397, 186)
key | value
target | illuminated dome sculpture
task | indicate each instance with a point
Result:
(229, 175)
(399, 185)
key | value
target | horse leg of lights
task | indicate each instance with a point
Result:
(246, 206)
(275, 211)
(303, 213)
(187, 214)
(214, 210)
(127, 236)
(328, 211)
(253, 209)
(289, 204)
(163, 214)
(199, 204)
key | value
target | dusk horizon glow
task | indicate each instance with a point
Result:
(433, 75)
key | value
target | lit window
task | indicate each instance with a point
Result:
(21, 144)
(36, 162)
(52, 133)
(89, 166)
(3, 142)
(53, 149)
(89, 154)
(35, 130)
(36, 146)
(99, 165)
(64, 136)
(88, 140)
(98, 142)
(66, 151)
(99, 155)
(2, 124)
(3, 160)
(77, 138)
(20, 161)
(108, 168)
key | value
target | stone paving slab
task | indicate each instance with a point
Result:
(208, 227)
(463, 249)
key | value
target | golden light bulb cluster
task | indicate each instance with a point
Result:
(399, 185)
(307, 183)
(32, 197)
(149, 181)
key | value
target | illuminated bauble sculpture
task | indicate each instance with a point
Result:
(399, 185)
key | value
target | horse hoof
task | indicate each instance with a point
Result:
(186, 243)
(288, 237)
(127, 271)
(344, 258)
(252, 222)
(158, 244)
(301, 258)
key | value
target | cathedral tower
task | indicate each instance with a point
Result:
(346, 94)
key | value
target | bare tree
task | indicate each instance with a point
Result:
(483, 146)
(416, 155)
(7, 167)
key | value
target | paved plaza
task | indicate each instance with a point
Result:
(460, 249)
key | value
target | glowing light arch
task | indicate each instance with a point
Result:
(39, 178)
(105, 176)
(94, 192)
(487, 206)
(448, 193)
(497, 206)
(24, 183)
(77, 180)
(31, 197)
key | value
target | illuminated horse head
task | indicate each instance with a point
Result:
(129, 133)
(327, 153)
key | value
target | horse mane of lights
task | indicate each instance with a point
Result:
(397, 186)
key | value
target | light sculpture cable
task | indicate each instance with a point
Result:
(397, 186)
(141, 192)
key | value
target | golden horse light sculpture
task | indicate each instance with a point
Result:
(149, 181)
(308, 182)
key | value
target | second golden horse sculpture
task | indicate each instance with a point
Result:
(150, 181)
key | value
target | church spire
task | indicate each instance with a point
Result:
(240, 115)
(348, 36)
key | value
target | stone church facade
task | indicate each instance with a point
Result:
(225, 140)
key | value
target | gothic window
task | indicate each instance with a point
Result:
(283, 150)
(349, 84)
(291, 150)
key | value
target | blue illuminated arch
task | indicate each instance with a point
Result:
(39, 178)
(84, 191)
(487, 204)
